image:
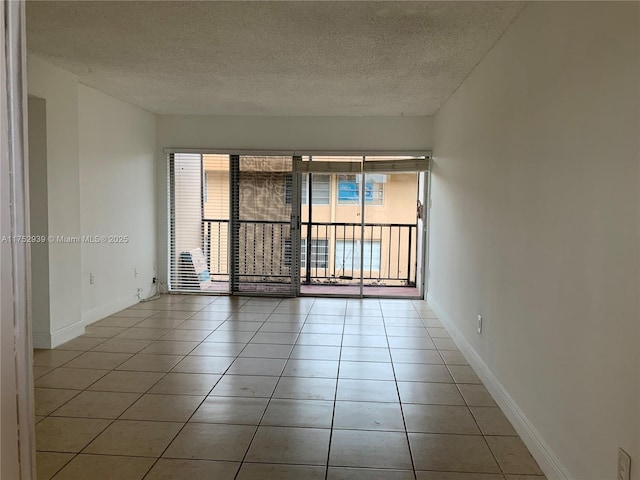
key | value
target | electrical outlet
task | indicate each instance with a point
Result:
(624, 465)
(479, 324)
(92, 278)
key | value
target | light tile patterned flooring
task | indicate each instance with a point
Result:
(223, 388)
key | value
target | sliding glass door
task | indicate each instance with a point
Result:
(198, 223)
(361, 225)
(263, 234)
(331, 230)
(231, 228)
(390, 233)
(288, 225)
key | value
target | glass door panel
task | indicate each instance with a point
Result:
(215, 218)
(263, 228)
(346, 220)
(359, 225)
(390, 235)
(199, 223)
(331, 214)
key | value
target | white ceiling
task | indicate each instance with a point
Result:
(270, 58)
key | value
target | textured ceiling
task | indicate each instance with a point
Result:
(270, 58)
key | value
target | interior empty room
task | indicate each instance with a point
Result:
(320, 240)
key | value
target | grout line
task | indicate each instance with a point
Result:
(270, 398)
(335, 395)
(495, 459)
(75, 454)
(262, 323)
(205, 399)
(113, 369)
(93, 418)
(404, 421)
(466, 403)
(64, 465)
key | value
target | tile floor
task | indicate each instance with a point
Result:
(203, 388)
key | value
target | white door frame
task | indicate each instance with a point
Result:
(17, 453)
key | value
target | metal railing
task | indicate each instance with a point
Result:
(384, 253)
(332, 253)
(217, 252)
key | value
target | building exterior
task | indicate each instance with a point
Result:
(335, 247)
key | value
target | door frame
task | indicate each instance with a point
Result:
(235, 170)
(363, 168)
(17, 455)
(300, 167)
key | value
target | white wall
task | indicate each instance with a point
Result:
(278, 133)
(287, 133)
(535, 224)
(117, 198)
(59, 89)
(100, 180)
(39, 217)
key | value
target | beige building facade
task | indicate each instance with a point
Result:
(339, 239)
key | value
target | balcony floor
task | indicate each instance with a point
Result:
(332, 290)
(369, 291)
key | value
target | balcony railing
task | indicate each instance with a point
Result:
(332, 253)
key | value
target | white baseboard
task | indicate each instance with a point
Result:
(539, 448)
(67, 333)
(42, 340)
(52, 340)
(103, 311)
